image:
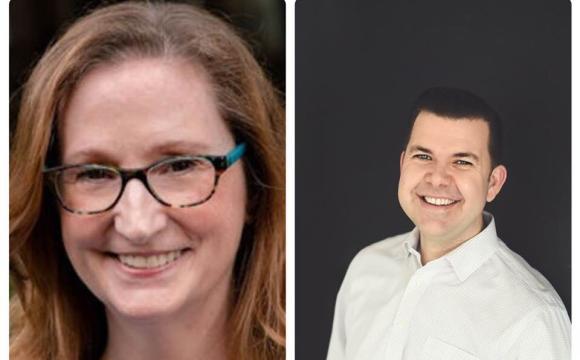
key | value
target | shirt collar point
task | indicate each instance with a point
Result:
(470, 255)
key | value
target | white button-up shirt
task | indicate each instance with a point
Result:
(479, 301)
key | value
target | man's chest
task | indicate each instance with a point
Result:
(424, 313)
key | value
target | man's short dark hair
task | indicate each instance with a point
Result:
(458, 104)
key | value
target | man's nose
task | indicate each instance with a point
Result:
(138, 216)
(438, 176)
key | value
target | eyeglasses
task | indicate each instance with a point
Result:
(179, 181)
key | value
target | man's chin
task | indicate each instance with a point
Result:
(435, 228)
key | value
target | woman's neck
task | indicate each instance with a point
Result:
(199, 333)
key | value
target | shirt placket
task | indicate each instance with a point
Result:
(399, 333)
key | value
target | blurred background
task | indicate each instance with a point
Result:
(360, 65)
(34, 24)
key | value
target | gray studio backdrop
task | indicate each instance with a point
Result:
(359, 65)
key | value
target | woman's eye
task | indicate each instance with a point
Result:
(95, 175)
(422, 157)
(179, 166)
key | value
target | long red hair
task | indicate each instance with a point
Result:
(53, 315)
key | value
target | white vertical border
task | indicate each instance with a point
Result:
(290, 107)
(575, 182)
(4, 160)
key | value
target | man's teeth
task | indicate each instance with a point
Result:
(438, 201)
(149, 262)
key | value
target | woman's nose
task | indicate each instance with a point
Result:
(138, 216)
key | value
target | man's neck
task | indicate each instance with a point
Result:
(434, 247)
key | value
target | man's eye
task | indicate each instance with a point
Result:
(422, 157)
(463, 163)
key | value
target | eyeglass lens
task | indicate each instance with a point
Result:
(182, 181)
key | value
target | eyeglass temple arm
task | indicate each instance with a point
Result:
(235, 154)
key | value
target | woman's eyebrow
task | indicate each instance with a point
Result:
(179, 146)
(89, 155)
(110, 156)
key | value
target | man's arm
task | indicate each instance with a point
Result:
(542, 335)
(337, 347)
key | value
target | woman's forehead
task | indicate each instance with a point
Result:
(142, 104)
(153, 81)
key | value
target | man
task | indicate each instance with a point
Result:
(449, 289)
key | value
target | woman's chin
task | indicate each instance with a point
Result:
(144, 307)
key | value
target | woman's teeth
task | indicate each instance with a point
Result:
(149, 262)
(438, 201)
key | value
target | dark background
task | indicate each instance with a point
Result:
(359, 66)
(35, 23)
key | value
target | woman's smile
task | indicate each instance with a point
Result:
(149, 261)
(147, 265)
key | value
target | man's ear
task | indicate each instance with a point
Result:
(497, 178)
(401, 160)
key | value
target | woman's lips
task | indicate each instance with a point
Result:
(137, 261)
(146, 265)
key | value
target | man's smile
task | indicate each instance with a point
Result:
(438, 201)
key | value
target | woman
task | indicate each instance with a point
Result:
(146, 194)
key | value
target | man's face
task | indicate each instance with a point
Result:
(446, 177)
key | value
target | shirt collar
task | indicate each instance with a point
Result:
(467, 257)
(411, 243)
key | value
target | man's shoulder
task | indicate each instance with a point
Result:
(521, 275)
(380, 253)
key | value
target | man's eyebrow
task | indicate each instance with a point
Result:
(415, 148)
(466, 155)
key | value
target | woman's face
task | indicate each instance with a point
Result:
(130, 115)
